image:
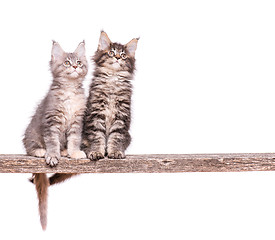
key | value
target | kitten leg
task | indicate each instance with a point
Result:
(95, 137)
(117, 144)
(52, 136)
(52, 155)
(97, 149)
(118, 139)
(114, 150)
(74, 138)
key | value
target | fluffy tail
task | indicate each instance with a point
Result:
(41, 184)
(60, 177)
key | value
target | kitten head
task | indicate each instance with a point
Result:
(115, 56)
(68, 65)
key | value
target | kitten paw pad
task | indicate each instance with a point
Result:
(52, 159)
(40, 152)
(116, 155)
(95, 155)
(78, 154)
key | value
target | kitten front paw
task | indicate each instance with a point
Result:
(52, 159)
(116, 155)
(95, 155)
(77, 154)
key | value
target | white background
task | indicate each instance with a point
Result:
(204, 84)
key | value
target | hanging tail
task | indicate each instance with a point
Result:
(60, 177)
(41, 184)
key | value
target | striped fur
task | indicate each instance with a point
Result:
(108, 114)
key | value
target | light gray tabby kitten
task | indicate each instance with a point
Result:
(56, 127)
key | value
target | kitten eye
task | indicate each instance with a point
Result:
(111, 53)
(79, 63)
(67, 63)
(123, 55)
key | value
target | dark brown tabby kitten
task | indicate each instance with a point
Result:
(56, 127)
(108, 114)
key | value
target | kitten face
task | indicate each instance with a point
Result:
(72, 66)
(115, 56)
(69, 65)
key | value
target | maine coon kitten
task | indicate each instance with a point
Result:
(108, 114)
(56, 127)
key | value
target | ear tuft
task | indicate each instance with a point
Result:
(80, 50)
(104, 41)
(57, 51)
(132, 46)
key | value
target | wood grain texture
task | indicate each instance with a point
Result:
(155, 163)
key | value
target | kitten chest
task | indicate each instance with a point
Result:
(72, 106)
(114, 94)
(110, 109)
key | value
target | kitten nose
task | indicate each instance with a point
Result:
(117, 57)
(75, 67)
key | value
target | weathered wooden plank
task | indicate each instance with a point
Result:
(153, 163)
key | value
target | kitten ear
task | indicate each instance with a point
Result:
(80, 50)
(132, 46)
(57, 51)
(104, 41)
